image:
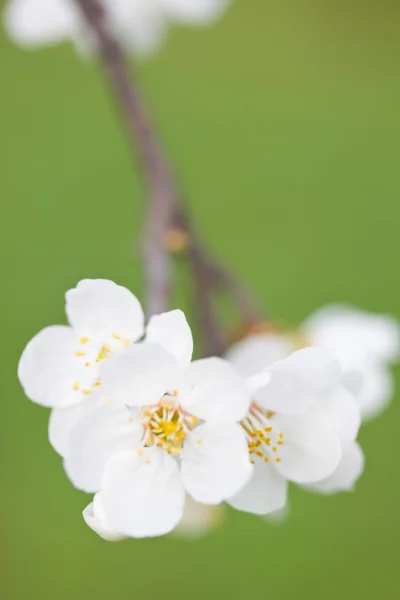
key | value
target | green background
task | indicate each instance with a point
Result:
(284, 122)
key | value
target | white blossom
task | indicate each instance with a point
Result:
(140, 25)
(300, 420)
(364, 344)
(60, 366)
(169, 428)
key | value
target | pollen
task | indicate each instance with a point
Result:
(126, 342)
(166, 425)
(86, 391)
(106, 348)
(84, 339)
(80, 353)
(263, 440)
(87, 364)
(96, 383)
(75, 385)
(116, 336)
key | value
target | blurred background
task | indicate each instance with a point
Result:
(284, 122)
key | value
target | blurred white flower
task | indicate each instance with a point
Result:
(60, 366)
(139, 25)
(298, 423)
(95, 518)
(364, 344)
(171, 427)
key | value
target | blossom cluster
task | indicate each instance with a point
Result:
(140, 25)
(163, 440)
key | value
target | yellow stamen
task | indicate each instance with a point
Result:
(84, 339)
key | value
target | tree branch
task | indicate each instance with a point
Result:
(166, 210)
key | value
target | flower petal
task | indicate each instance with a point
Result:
(212, 390)
(95, 518)
(142, 494)
(139, 376)
(376, 392)
(171, 330)
(298, 381)
(63, 420)
(100, 305)
(309, 452)
(344, 477)
(196, 12)
(49, 370)
(215, 462)
(255, 353)
(43, 22)
(339, 326)
(339, 413)
(99, 435)
(265, 492)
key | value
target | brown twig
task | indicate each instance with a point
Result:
(166, 210)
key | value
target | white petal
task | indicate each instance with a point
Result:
(49, 368)
(100, 305)
(255, 353)
(309, 452)
(344, 478)
(212, 390)
(215, 462)
(198, 519)
(139, 376)
(63, 420)
(99, 435)
(339, 413)
(265, 492)
(278, 517)
(257, 382)
(298, 381)
(201, 12)
(95, 518)
(142, 494)
(139, 24)
(337, 327)
(171, 330)
(376, 392)
(40, 22)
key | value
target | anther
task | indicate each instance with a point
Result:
(84, 339)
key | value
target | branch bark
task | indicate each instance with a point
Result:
(166, 210)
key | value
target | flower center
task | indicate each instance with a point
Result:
(166, 425)
(263, 440)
